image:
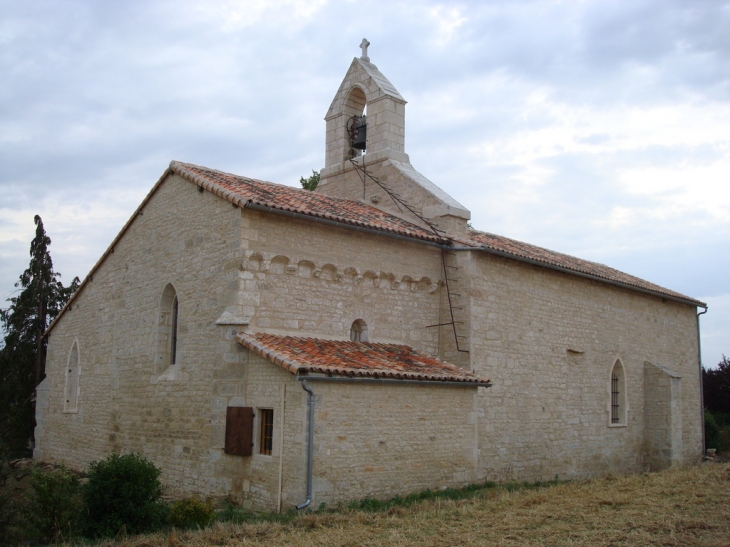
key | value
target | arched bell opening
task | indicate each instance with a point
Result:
(356, 126)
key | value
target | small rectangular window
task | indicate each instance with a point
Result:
(267, 430)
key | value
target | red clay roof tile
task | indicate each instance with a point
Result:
(518, 249)
(242, 190)
(354, 359)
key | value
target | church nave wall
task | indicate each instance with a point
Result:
(548, 341)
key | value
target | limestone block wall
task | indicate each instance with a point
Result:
(126, 401)
(304, 279)
(260, 481)
(369, 440)
(383, 440)
(549, 341)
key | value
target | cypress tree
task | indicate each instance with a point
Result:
(22, 357)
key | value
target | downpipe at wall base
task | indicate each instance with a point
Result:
(381, 381)
(702, 384)
(310, 445)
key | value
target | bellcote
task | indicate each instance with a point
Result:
(366, 126)
(365, 92)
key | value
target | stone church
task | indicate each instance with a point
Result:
(285, 348)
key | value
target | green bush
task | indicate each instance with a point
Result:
(723, 424)
(724, 440)
(712, 432)
(9, 520)
(123, 495)
(55, 503)
(191, 513)
(721, 419)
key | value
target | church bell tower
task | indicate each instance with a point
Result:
(365, 143)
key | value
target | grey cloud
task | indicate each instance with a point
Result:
(102, 95)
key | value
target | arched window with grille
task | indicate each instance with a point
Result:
(173, 332)
(617, 403)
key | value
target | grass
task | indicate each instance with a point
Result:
(684, 508)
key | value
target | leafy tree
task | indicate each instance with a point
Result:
(716, 387)
(310, 183)
(22, 357)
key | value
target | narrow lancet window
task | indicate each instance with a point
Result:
(173, 333)
(168, 339)
(614, 398)
(71, 393)
(618, 405)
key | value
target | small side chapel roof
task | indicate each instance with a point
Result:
(355, 359)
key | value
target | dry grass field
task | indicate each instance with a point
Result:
(683, 508)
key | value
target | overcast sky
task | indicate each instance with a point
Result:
(595, 128)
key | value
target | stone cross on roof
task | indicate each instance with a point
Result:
(364, 46)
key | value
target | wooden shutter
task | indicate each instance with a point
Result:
(239, 430)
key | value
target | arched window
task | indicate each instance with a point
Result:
(173, 332)
(359, 331)
(71, 390)
(168, 342)
(618, 395)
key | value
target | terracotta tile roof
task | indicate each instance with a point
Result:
(518, 249)
(242, 190)
(354, 359)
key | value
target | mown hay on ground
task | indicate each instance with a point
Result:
(683, 508)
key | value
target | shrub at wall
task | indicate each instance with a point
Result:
(123, 495)
(55, 503)
(191, 513)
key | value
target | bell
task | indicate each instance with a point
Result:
(359, 133)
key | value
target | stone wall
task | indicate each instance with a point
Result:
(380, 441)
(191, 240)
(307, 279)
(255, 480)
(548, 341)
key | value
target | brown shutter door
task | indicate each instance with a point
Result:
(239, 430)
